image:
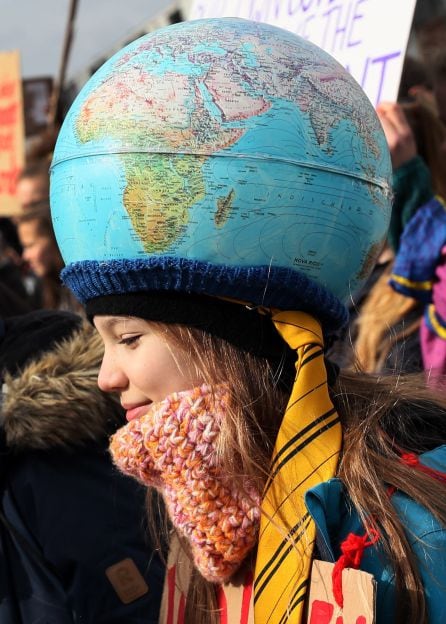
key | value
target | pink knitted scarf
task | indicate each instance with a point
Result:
(173, 447)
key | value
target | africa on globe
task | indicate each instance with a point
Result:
(171, 165)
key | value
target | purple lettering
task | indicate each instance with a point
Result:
(277, 7)
(199, 11)
(364, 73)
(254, 13)
(335, 27)
(304, 32)
(341, 29)
(304, 6)
(292, 7)
(327, 15)
(356, 16)
(384, 60)
(301, 5)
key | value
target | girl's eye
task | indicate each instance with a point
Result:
(130, 340)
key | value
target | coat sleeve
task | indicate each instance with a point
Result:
(88, 519)
(427, 538)
(430, 550)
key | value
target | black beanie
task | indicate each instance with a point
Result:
(234, 322)
(239, 324)
(24, 338)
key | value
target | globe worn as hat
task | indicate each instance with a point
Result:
(226, 158)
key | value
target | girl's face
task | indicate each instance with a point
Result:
(39, 250)
(139, 364)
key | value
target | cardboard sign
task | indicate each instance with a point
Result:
(12, 144)
(176, 584)
(358, 589)
(235, 598)
(368, 37)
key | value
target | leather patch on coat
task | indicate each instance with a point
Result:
(127, 580)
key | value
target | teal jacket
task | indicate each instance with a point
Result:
(335, 518)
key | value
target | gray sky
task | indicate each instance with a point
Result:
(37, 28)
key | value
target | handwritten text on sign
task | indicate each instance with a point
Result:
(368, 37)
(358, 589)
(11, 130)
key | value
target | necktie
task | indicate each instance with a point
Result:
(306, 453)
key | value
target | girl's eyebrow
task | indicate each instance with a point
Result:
(133, 322)
(110, 323)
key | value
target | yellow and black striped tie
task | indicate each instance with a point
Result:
(305, 454)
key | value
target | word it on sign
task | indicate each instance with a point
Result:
(360, 34)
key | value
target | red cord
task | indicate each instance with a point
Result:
(410, 459)
(353, 546)
(352, 551)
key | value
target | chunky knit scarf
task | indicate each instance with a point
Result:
(173, 447)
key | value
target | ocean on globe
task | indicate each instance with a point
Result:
(177, 147)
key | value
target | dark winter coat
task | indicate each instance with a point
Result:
(71, 522)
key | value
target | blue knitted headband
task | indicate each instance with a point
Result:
(269, 287)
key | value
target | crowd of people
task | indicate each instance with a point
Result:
(185, 431)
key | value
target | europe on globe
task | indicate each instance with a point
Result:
(177, 122)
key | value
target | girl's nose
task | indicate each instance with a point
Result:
(111, 378)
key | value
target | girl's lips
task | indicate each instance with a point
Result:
(137, 412)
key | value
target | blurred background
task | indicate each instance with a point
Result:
(61, 43)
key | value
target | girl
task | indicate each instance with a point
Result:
(41, 253)
(218, 187)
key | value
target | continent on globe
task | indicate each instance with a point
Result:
(200, 157)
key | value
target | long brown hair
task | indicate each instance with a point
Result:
(380, 417)
(385, 320)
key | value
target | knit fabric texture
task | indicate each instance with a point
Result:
(412, 187)
(173, 447)
(420, 252)
(267, 286)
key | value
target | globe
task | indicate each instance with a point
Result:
(228, 142)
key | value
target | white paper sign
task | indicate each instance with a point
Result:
(368, 37)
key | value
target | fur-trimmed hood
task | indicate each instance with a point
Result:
(54, 402)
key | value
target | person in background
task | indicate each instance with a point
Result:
(420, 260)
(416, 84)
(14, 276)
(439, 85)
(386, 327)
(41, 252)
(266, 455)
(33, 184)
(12, 304)
(40, 147)
(73, 540)
(420, 266)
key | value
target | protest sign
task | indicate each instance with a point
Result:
(358, 593)
(12, 148)
(368, 37)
